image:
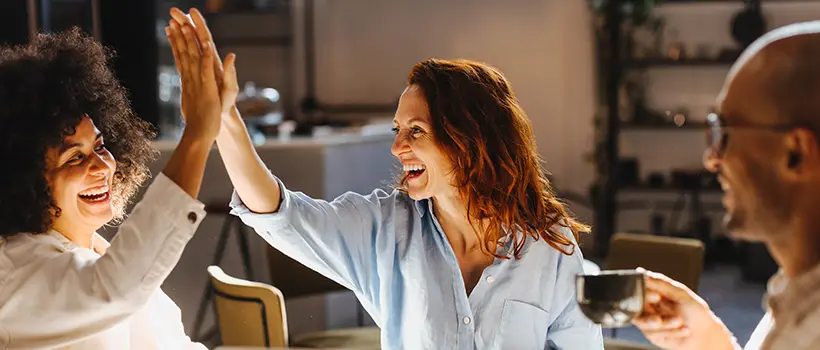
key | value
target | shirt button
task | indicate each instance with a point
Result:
(467, 320)
(192, 217)
(490, 279)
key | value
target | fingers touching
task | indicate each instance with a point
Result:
(196, 20)
(173, 32)
(178, 44)
(202, 30)
(207, 69)
(180, 17)
(196, 56)
(204, 34)
(193, 57)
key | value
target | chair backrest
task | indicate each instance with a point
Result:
(679, 258)
(296, 280)
(619, 344)
(248, 313)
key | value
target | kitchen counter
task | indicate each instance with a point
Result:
(302, 141)
(321, 167)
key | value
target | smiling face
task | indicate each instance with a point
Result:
(755, 156)
(427, 170)
(747, 166)
(80, 174)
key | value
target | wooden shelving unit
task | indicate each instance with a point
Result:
(691, 126)
(652, 63)
(606, 191)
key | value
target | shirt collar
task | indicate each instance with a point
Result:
(785, 295)
(423, 205)
(426, 205)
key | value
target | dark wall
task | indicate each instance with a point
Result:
(127, 27)
(13, 22)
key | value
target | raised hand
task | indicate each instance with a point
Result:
(676, 318)
(202, 105)
(225, 77)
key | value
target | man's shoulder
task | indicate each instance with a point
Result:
(796, 329)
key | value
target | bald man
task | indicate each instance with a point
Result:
(765, 148)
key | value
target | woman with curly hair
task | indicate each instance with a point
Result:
(75, 154)
(471, 250)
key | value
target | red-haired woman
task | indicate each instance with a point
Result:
(470, 250)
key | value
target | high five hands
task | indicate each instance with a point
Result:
(208, 90)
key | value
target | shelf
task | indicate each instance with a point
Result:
(685, 2)
(666, 3)
(247, 12)
(666, 189)
(660, 63)
(664, 205)
(693, 126)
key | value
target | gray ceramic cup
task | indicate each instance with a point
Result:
(610, 298)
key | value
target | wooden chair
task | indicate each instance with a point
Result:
(253, 314)
(616, 344)
(248, 313)
(296, 280)
(678, 258)
(231, 225)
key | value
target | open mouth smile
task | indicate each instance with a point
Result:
(414, 170)
(95, 195)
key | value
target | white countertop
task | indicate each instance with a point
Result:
(299, 141)
(264, 348)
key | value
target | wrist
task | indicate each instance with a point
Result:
(195, 141)
(232, 123)
(729, 340)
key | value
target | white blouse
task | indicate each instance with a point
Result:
(57, 295)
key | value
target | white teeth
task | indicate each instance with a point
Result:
(95, 192)
(414, 167)
(102, 197)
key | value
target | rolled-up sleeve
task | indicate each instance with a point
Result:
(336, 238)
(55, 301)
(571, 329)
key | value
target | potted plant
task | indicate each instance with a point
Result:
(636, 11)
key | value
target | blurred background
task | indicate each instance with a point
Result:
(617, 92)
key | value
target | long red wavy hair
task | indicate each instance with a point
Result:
(487, 136)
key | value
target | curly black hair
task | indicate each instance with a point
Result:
(46, 87)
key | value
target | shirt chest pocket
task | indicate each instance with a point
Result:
(523, 326)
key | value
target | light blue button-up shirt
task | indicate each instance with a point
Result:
(391, 252)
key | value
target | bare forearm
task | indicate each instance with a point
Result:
(187, 164)
(250, 177)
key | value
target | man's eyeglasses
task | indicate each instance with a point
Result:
(717, 131)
